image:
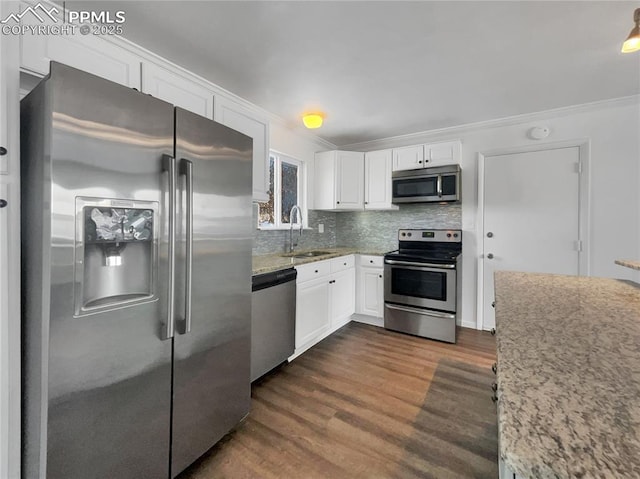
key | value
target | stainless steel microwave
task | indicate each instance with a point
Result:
(426, 185)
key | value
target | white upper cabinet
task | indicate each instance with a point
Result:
(350, 194)
(339, 180)
(178, 89)
(439, 154)
(377, 180)
(236, 116)
(408, 158)
(425, 156)
(93, 54)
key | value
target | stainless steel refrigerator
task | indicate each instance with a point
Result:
(136, 280)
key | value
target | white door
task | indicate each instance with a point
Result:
(377, 182)
(350, 194)
(531, 216)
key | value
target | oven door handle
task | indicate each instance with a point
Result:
(424, 312)
(419, 265)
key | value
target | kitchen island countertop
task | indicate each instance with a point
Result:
(267, 263)
(628, 263)
(568, 375)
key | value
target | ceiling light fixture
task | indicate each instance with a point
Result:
(632, 43)
(313, 120)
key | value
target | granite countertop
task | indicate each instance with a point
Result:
(628, 263)
(568, 375)
(268, 263)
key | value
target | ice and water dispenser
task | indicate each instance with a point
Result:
(116, 253)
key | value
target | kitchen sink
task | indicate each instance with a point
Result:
(306, 254)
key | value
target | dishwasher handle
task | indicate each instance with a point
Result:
(268, 280)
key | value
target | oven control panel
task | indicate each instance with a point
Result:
(440, 236)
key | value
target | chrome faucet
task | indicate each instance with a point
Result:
(294, 208)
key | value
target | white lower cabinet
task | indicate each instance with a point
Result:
(370, 286)
(325, 299)
(343, 297)
(312, 310)
(505, 472)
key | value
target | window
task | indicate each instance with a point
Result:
(286, 189)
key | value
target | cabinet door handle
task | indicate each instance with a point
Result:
(371, 261)
(3, 151)
(494, 368)
(380, 276)
(494, 387)
(316, 271)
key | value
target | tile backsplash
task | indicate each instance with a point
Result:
(370, 230)
(277, 241)
(378, 230)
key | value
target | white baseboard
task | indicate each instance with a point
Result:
(366, 319)
(338, 324)
(469, 324)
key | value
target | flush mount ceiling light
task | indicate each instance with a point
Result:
(313, 120)
(632, 43)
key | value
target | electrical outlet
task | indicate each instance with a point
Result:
(320, 228)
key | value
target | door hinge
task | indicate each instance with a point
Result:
(579, 245)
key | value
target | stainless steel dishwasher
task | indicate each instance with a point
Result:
(273, 320)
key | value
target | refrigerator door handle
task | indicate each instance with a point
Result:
(169, 166)
(186, 169)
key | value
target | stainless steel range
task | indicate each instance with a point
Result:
(422, 283)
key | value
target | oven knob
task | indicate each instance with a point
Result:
(455, 235)
(404, 234)
(408, 234)
(448, 235)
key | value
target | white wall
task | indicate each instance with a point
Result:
(611, 128)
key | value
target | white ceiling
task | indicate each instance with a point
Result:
(386, 68)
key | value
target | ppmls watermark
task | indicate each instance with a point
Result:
(40, 20)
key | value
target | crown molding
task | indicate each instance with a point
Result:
(218, 90)
(148, 55)
(454, 132)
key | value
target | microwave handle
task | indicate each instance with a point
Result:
(439, 186)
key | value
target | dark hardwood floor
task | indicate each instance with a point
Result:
(359, 404)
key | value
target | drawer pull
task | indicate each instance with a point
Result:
(494, 368)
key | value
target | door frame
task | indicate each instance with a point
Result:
(584, 207)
